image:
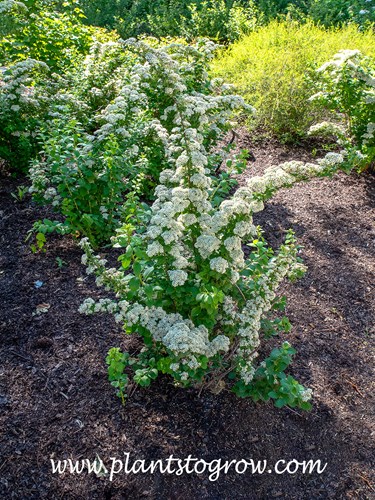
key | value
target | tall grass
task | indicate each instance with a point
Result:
(274, 69)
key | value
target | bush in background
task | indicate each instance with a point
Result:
(25, 94)
(347, 84)
(340, 12)
(274, 68)
(41, 49)
(223, 20)
(34, 30)
(219, 19)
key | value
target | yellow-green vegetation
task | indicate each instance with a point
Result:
(275, 70)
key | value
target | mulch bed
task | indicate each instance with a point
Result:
(55, 401)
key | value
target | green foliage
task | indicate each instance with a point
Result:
(39, 245)
(20, 194)
(274, 68)
(271, 382)
(223, 20)
(60, 262)
(33, 31)
(276, 8)
(13, 18)
(80, 182)
(324, 12)
(339, 12)
(117, 362)
(143, 367)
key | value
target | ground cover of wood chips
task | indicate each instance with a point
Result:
(55, 401)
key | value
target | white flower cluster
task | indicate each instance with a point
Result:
(179, 335)
(352, 61)
(121, 114)
(110, 278)
(177, 277)
(206, 244)
(284, 175)
(40, 180)
(327, 129)
(89, 306)
(331, 160)
(370, 133)
(16, 85)
(339, 59)
(306, 394)
(219, 265)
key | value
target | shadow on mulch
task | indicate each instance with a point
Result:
(55, 401)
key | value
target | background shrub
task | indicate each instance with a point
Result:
(348, 90)
(173, 18)
(223, 20)
(274, 68)
(275, 8)
(24, 102)
(339, 12)
(35, 30)
(41, 54)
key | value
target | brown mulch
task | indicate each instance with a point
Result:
(55, 401)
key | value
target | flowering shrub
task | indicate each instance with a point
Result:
(86, 175)
(30, 99)
(21, 108)
(185, 285)
(348, 88)
(100, 76)
(35, 42)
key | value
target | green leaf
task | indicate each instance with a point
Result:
(137, 268)
(134, 284)
(125, 263)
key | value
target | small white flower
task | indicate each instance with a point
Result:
(154, 249)
(177, 277)
(306, 395)
(219, 265)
